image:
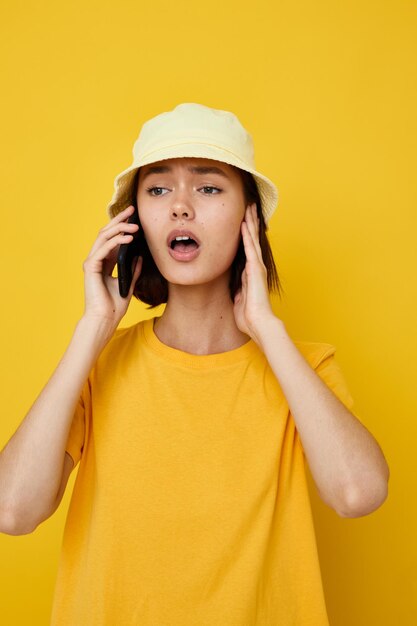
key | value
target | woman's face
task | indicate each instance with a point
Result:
(185, 194)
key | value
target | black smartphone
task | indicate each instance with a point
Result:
(127, 252)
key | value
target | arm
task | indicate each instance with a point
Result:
(345, 460)
(32, 462)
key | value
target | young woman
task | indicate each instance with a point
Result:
(191, 429)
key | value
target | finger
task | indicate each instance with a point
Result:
(252, 225)
(123, 215)
(108, 232)
(256, 219)
(120, 229)
(244, 278)
(99, 253)
(113, 226)
(110, 262)
(250, 250)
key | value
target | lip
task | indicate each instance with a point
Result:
(183, 256)
(181, 233)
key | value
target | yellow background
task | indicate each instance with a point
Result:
(328, 92)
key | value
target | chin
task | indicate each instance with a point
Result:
(194, 278)
(187, 275)
(201, 270)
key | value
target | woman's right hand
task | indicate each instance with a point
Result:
(102, 298)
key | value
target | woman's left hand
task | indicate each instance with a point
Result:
(252, 306)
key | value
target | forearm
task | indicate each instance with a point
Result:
(345, 460)
(32, 461)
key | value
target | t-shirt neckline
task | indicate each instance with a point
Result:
(197, 361)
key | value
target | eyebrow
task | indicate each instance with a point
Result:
(194, 169)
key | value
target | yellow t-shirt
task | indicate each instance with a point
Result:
(190, 505)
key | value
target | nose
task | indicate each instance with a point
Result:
(181, 206)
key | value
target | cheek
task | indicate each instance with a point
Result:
(230, 231)
(151, 229)
(225, 244)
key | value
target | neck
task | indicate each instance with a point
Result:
(199, 321)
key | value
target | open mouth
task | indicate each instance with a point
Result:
(184, 248)
(184, 244)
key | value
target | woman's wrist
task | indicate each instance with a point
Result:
(266, 327)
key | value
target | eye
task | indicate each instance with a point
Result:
(210, 187)
(150, 189)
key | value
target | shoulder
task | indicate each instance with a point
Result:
(124, 334)
(123, 341)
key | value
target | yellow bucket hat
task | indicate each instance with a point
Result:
(193, 130)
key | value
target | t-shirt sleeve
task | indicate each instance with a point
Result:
(322, 358)
(330, 372)
(76, 437)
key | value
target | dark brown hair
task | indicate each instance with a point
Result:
(152, 288)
